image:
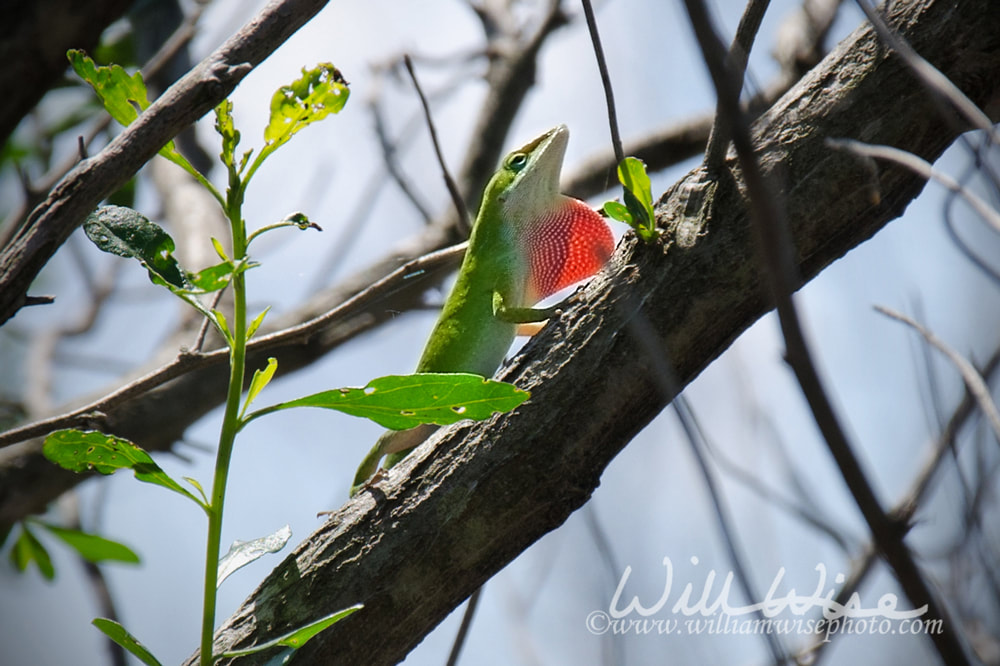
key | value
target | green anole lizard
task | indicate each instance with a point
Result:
(528, 242)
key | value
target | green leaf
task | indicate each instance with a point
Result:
(84, 451)
(638, 197)
(320, 92)
(219, 250)
(118, 634)
(242, 553)
(261, 378)
(257, 321)
(122, 95)
(212, 278)
(617, 211)
(299, 637)
(405, 401)
(641, 218)
(220, 321)
(227, 130)
(128, 233)
(197, 486)
(92, 547)
(28, 549)
(120, 92)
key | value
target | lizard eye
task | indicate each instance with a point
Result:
(517, 161)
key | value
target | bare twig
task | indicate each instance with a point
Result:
(908, 506)
(739, 56)
(602, 65)
(924, 168)
(456, 197)
(696, 442)
(463, 629)
(98, 584)
(973, 380)
(392, 166)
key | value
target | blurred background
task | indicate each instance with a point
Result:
(787, 509)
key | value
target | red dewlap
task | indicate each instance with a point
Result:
(570, 244)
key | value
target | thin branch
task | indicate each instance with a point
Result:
(739, 56)
(907, 507)
(456, 197)
(99, 585)
(392, 165)
(781, 275)
(696, 443)
(609, 95)
(924, 168)
(973, 380)
(463, 629)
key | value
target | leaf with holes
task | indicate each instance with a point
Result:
(399, 402)
(86, 451)
(320, 92)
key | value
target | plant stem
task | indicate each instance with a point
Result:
(230, 426)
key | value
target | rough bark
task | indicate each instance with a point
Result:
(470, 500)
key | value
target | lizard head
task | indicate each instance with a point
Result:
(560, 240)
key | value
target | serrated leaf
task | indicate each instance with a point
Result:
(28, 549)
(257, 321)
(85, 451)
(128, 233)
(261, 378)
(617, 211)
(399, 402)
(320, 92)
(299, 637)
(242, 553)
(92, 547)
(120, 635)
